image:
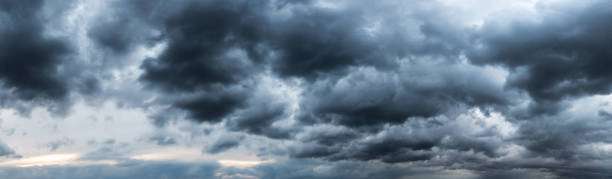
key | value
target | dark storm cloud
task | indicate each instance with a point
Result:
(315, 42)
(557, 60)
(564, 56)
(211, 107)
(207, 56)
(199, 52)
(391, 150)
(119, 34)
(392, 96)
(329, 136)
(259, 121)
(415, 140)
(29, 60)
(215, 51)
(259, 116)
(369, 97)
(236, 40)
(39, 63)
(214, 45)
(566, 137)
(126, 24)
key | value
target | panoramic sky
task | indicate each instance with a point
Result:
(281, 89)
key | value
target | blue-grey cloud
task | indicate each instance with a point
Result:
(126, 170)
(360, 90)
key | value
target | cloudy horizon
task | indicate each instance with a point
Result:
(280, 89)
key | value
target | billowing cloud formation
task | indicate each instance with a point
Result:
(368, 97)
(320, 88)
(38, 64)
(560, 57)
(30, 60)
(213, 60)
(370, 91)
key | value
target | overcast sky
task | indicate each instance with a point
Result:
(280, 89)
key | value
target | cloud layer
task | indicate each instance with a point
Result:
(393, 89)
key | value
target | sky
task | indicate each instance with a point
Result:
(296, 89)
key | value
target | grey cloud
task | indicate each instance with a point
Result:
(368, 97)
(6, 151)
(605, 114)
(398, 95)
(562, 57)
(109, 142)
(328, 135)
(263, 109)
(104, 153)
(562, 136)
(163, 140)
(293, 169)
(311, 43)
(200, 57)
(223, 143)
(316, 42)
(119, 33)
(281, 170)
(54, 145)
(418, 139)
(212, 107)
(351, 78)
(39, 63)
(26, 53)
(125, 170)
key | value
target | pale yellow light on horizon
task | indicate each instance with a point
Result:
(42, 160)
(54, 159)
(73, 159)
(179, 157)
(240, 163)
